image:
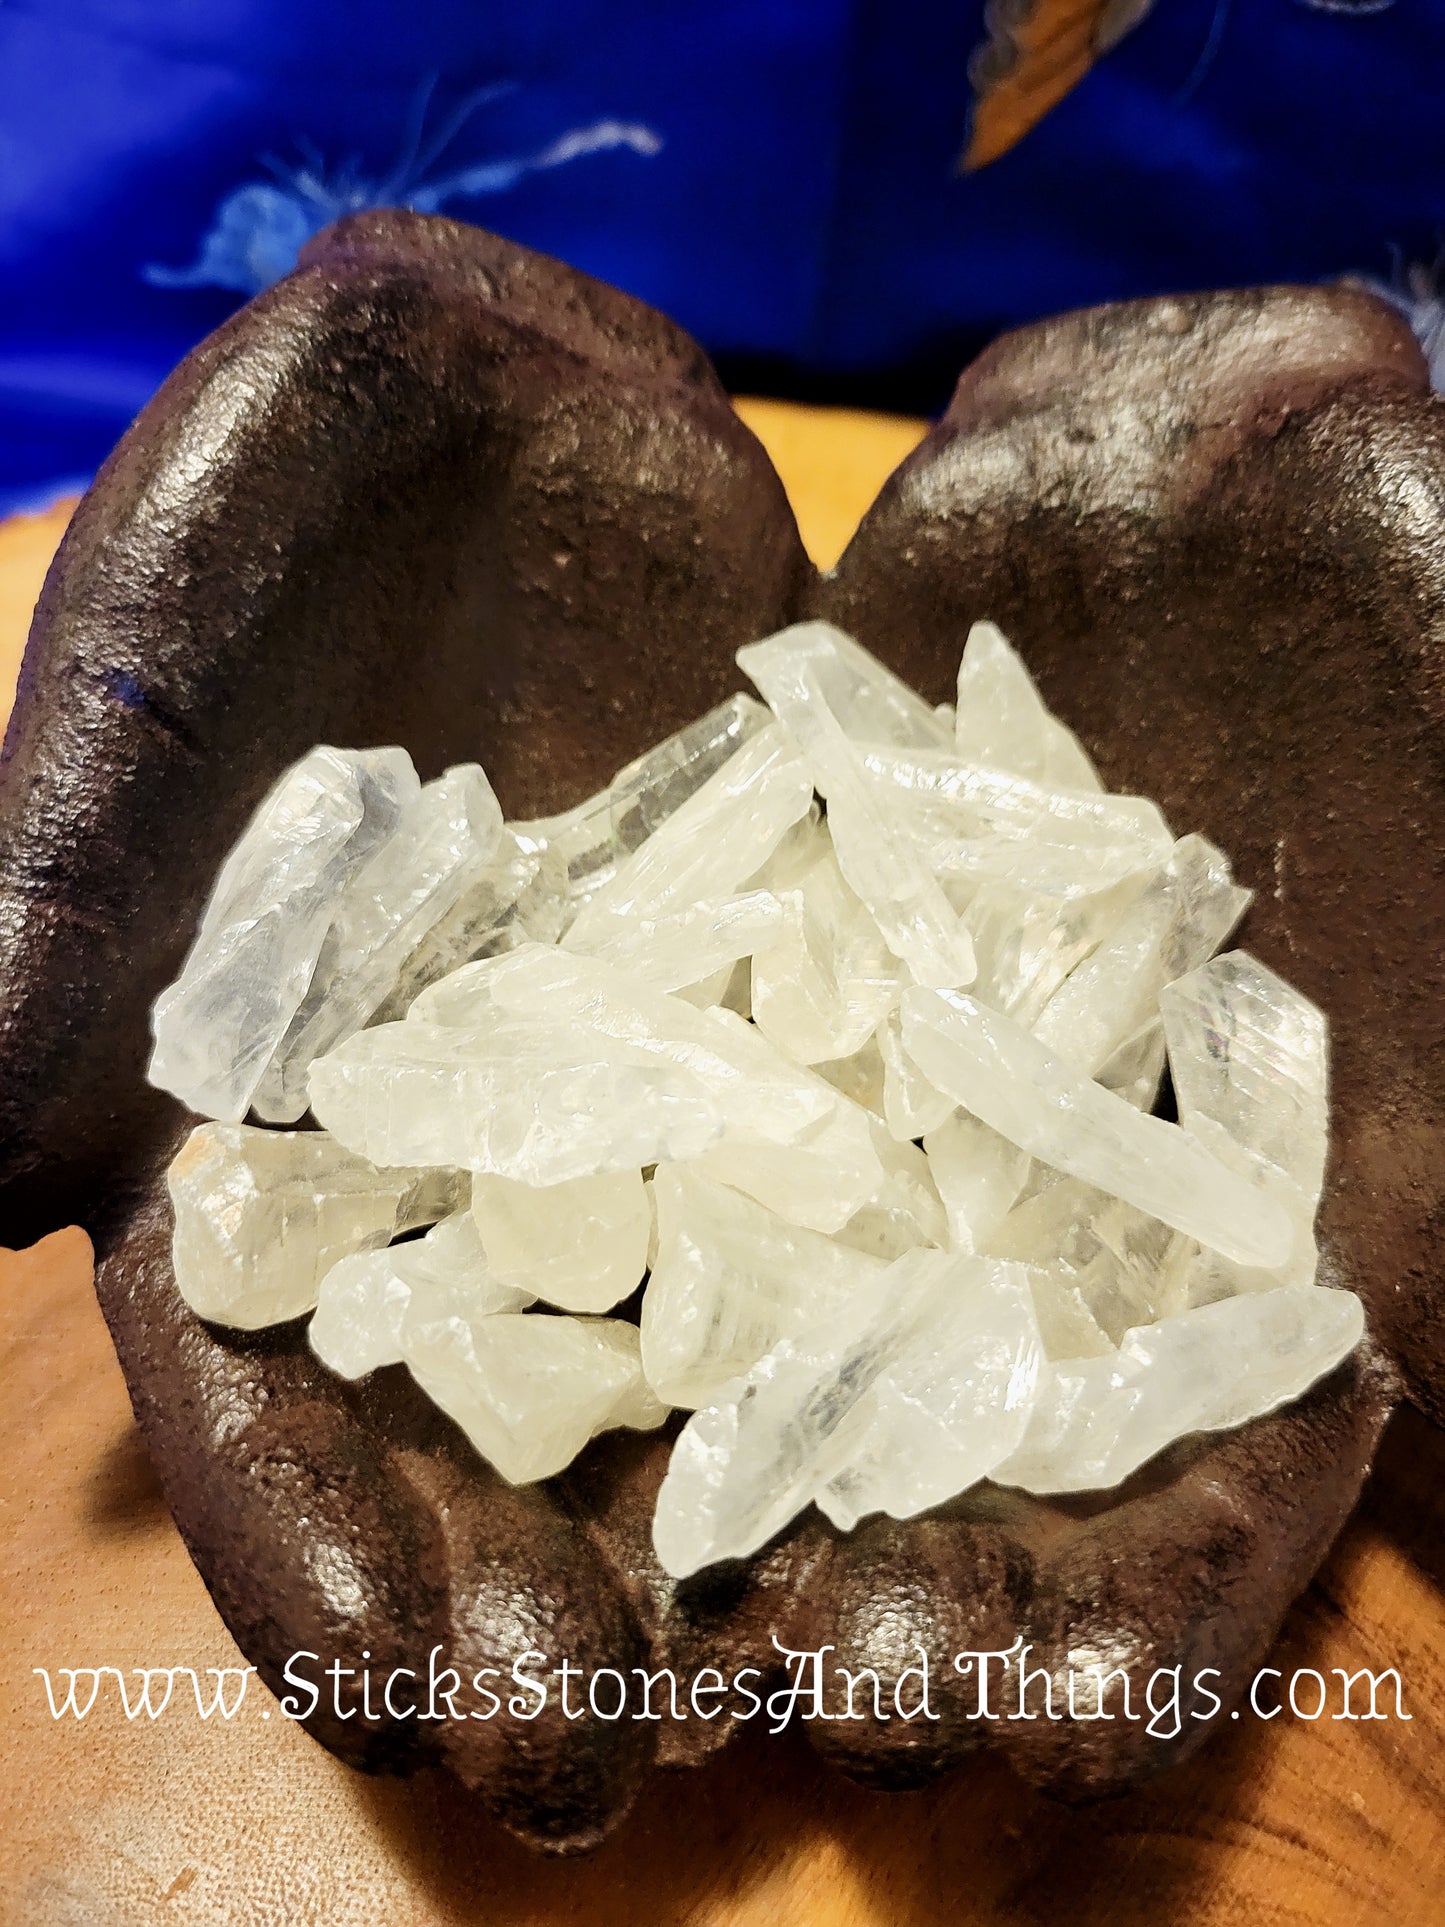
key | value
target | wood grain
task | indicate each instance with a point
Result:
(1336, 1823)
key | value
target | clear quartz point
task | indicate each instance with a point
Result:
(729, 1280)
(825, 980)
(1005, 1077)
(954, 1398)
(447, 836)
(519, 898)
(743, 1466)
(1001, 721)
(1177, 921)
(266, 923)
(262, 1216)
(1096, 1420)
(543, 1066)
(875, 851)
(710, 846)
(594, 838)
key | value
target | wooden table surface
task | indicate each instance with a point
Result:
(108, 1822)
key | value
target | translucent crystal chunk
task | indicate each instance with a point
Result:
(543, 1066)
(262, 1216)
(694, 946)
(266, 921)
(912, 1106)
(1005, 1077)
(906, 1211)
(1026, 945)
(862, 693)
(521, 897)
(364, 1299)
(444, 842)
(977, 1174)
(1002, 723)
(581, 1245)
(710, 846)
(875, 850)
(983, 824)
(595, 837)
(1178, 921)
(530, 1390)
(826, 979)
(1097, 1419)
(744, 1465)
(953, 1399)
(729, 1280)
(1250, 1053)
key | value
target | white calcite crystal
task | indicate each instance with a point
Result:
(882, 862)
(261, 1217)
(834, 1023)
(1004, 1076)
(729, 1280)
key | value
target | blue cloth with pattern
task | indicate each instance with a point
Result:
(779, 175)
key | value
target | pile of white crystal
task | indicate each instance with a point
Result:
(838, 1019)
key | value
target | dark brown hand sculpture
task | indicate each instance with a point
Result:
(438, 491)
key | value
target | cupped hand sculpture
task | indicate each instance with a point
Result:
(435, 490)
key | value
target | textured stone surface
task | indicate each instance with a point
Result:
(1226, 497)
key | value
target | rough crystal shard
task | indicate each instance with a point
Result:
(581, 1245)
(867, 699)
(907, 1210)
(1005, 1077)
(955, 1397)
(545, 1066)
(912, 1106)
(1001, 721)
(693, 947)
(1026, 945)
(978, 824)
(262, 1216)
(1251, 1054)
(521, 897)
(977, 1174)
(710, 846)
(826, 979)
(594, 838)
(729, 1280)
(447, 836)
(744, 1465)
(1096, 1419)
(875, 849)
(364, 1299)
(1176, 923)
(529, 1391)
(266, 921)
(1112, 1260)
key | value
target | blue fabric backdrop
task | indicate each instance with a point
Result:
(777, 174)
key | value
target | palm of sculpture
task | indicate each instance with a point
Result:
(438, 491)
